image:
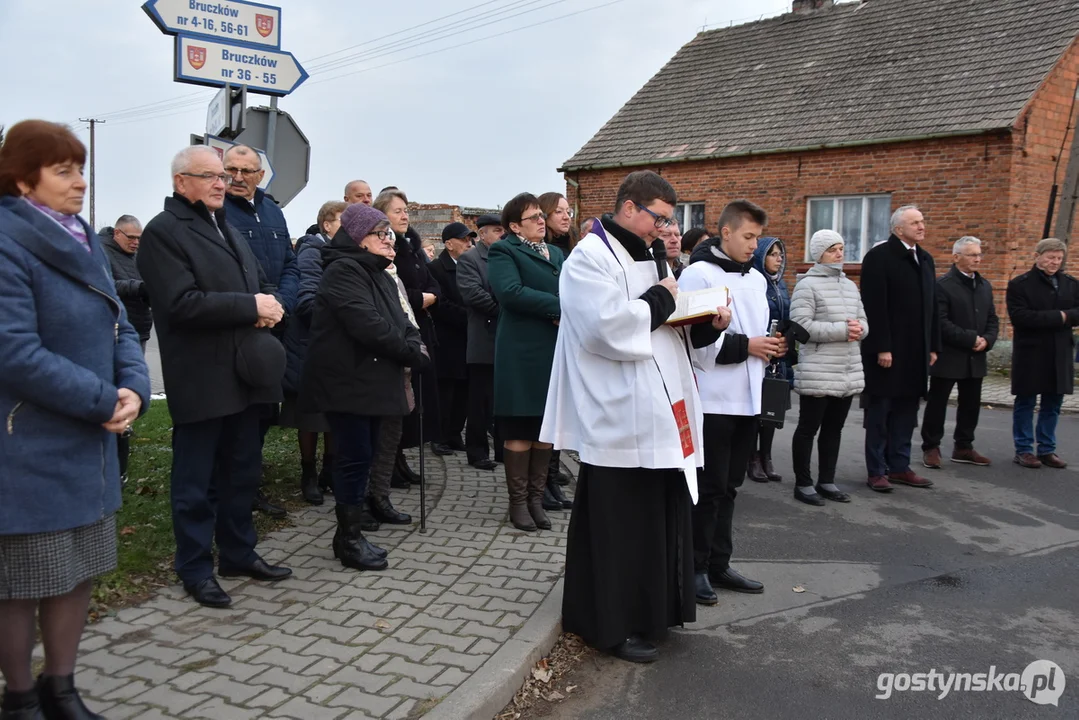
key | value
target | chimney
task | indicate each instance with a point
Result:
(803, 7)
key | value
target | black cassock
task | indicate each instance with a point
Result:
(629, 555)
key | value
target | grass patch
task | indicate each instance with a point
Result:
(144, 522)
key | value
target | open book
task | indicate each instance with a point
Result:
(697, 306)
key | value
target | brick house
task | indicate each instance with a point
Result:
(428, 219)
(834, 115)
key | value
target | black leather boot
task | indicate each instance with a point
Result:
(60, 700)
(554, 470)
(325, 476)
(755, 470)
(384, 511)
(349, 544)
(769, 468)
(309, 484)
(368, 522)
(20, 706)
(554, 490)
(401, 466)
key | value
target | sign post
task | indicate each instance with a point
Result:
(228, 20)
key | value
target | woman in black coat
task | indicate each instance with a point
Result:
(1043, 305)
(361, 343)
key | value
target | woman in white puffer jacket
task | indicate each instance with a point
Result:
(829, 371)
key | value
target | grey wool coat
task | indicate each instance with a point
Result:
(828, 365)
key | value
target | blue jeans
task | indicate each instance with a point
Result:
(355, 438)
(1023, 423)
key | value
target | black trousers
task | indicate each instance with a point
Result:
(729, 440)
(357, 437)
(966, 417)
(481, 407)
(889, 425)
(453, 407)
(215, 472)
(827, 415)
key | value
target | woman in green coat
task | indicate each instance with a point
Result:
(523, 271)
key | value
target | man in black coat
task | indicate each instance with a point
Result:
(899, 293)
(968, 330)
(451, 327)
(213, 314)
(482, 311)
(122, 243)
(1043, 305)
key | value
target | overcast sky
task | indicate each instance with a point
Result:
(492, 115)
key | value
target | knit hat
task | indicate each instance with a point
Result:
(359, 220)
(821, 241)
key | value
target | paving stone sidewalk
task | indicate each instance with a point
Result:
(997, 391)
(334, 643)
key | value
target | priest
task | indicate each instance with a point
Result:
(622, 394)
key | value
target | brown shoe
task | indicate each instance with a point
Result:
(969, 456)
(880, 484)
(1027, 460)
(516, 464)
(909, 478)
(931, 459)
(755, 469)
(1053, 460)
(537, 485)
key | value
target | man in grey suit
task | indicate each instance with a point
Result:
(480, 352)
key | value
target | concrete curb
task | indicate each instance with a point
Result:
(490, 688)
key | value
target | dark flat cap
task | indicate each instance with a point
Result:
(456, 231)
(487, 220)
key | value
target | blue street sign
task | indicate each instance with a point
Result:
(201, 61)
(237, 21)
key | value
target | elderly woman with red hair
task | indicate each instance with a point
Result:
(72, 378)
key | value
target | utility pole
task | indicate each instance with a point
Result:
(93, 159)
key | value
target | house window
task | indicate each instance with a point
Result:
(862, 220)
(689, 216)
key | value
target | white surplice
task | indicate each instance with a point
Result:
(614, 380)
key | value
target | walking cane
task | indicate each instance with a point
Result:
(423, 481)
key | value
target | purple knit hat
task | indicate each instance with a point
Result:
(359, 220)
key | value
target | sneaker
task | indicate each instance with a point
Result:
(1027, 460)
(931, 459)
(909, 478)
(969, 456)
(1052, 460)
(880, 484)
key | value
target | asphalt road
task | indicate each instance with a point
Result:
(979, 571)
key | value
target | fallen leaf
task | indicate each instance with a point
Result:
(799, 589)
(382, 625)
(145, 490)
(541, 674)
(128, 531)
(555, 696)
(570, 688)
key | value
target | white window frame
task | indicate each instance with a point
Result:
(835, 214)
(683, 221)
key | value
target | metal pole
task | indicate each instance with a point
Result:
(271, 129)
(423, 479)
(93, 159)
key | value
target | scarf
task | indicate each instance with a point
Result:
(401, 296)
(70, 223)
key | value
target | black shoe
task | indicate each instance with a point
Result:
(349, 544)
(309, 485)
(554, 470)
(60, 699)
(440, 449)
(635, 650)
(264, 506)
(730, 580)
(562, 478)
(258, 570)
(455, 443)
(208, 593)
(550, 502)
(399, 481)
(401, 468)
(556, 492)
(20, 705)
(325, 476)
(385, 512)
(705, 594)
(813, 499)
(484, 464)
(836, 496)
(368, 522)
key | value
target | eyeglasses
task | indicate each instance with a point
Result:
(244, 171)
(661, 222)
(534, 218)
(129, 237)
(208, 176)
(382, 235)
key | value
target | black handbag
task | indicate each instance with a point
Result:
(775, 398)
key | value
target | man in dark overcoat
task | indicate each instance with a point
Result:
(968, 331)
(213, 312)
(1043, 305)
(451, 327)
(899, 294)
